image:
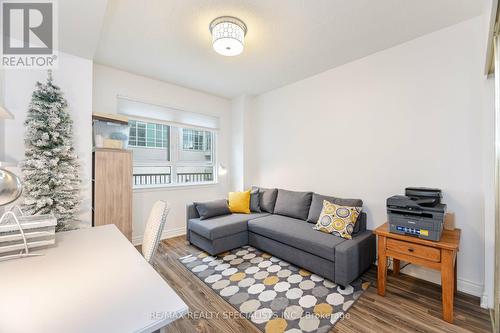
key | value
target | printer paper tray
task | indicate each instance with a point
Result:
(410, 213)
(414, 223)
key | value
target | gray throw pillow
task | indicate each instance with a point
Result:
(255, 200)
(267, 198)
(212, 208)
(293, 204)
(317, 205)
(360, 223)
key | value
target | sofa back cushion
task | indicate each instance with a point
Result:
(293, 204)
(255, 200)
(267, 198)
(317, 205)
(212, 208)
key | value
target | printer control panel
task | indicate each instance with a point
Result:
(412, 231)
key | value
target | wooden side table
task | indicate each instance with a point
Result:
(441, 256)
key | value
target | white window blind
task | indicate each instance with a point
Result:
(165, 114)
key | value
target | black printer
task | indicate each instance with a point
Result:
(418, 213)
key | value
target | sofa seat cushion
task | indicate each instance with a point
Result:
(222, 226)
(296, 233)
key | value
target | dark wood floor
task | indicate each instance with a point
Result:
(410, 305)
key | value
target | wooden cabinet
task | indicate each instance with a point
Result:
(112, 189)
(441, 256)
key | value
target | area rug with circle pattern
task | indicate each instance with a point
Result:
(273, 294)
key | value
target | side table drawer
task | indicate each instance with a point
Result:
(415, 250)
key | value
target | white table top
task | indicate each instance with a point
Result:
(92, 281)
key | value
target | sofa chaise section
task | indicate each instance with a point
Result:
(218, 234)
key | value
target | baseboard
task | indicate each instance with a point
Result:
(484, 302)
(173, 232)
(463, 285)
(169, 233)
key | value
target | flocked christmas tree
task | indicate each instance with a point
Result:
(50, 169)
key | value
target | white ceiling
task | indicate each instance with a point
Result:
(287, 40)
(80, 25)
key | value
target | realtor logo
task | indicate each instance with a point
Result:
(28, 34)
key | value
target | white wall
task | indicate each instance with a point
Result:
(236, 168)
(489, 135)
(109, 83)
(74, 76)
(412, 115)
(2, 143)
(241, 107)
(2, 103)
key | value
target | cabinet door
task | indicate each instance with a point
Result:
(113, 190)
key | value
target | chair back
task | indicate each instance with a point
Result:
(154, 229)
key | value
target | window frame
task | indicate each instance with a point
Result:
(204, 142)
(175, 146)
(146, 123)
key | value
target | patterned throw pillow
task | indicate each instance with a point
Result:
(338, 220)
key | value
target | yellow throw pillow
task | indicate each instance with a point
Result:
(239, 202)
(338, 220)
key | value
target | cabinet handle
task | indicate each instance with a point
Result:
(410, 250)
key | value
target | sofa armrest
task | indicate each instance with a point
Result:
(354, 256)
(191, 213)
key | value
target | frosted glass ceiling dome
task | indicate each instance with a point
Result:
(228, 35)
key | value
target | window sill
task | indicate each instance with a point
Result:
(172, 187)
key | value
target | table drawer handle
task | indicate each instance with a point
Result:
(410, 250)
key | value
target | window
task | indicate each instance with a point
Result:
(196, 140)
(148, 135)
(167, 155)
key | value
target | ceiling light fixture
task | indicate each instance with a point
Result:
(228, 35)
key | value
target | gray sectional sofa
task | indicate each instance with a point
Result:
(284, 228)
